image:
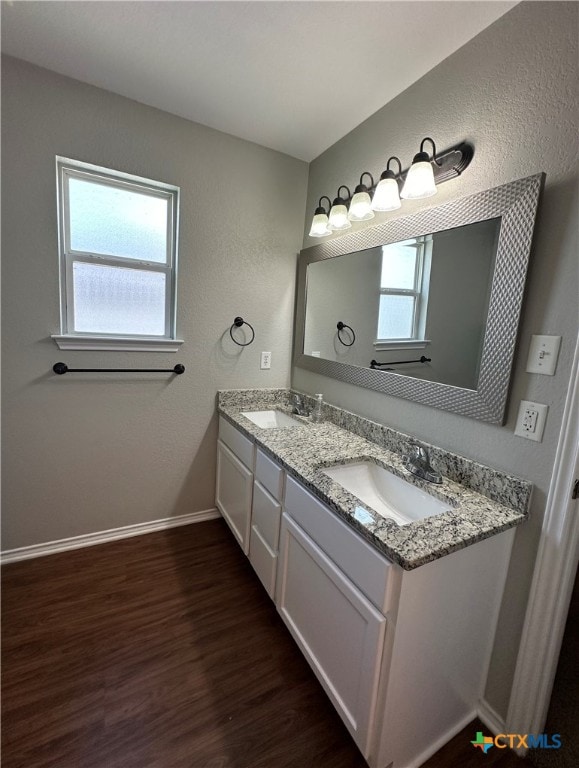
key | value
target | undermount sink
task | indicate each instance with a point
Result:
(271, 419)
(386, 493)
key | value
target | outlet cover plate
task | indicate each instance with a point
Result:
(531, 420)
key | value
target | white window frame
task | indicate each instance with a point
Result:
(419, 291)
(68, 338)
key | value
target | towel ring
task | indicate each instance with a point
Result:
(237, 323)
(340, 326)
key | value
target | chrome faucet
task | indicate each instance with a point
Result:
(298, 406)
(418, 463)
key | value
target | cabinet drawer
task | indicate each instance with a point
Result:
(269, 474)
(266, 515)
(369, 570)
(263, 560)
(241, 446)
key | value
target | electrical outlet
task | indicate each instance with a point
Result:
(265, 361)
(315, 354)
(531, 420)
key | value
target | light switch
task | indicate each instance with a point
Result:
(543, 354)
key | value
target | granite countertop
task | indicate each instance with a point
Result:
(305, 450)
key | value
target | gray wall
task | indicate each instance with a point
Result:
(85, 453)
(346, 289)
(458, 299)
(512, 92)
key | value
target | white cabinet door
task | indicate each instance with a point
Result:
(337, 628)
(233, 494)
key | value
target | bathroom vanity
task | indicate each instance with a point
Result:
(396, 618)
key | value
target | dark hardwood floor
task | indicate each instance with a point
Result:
(163, 651)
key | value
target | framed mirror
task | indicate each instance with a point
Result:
(424, 307)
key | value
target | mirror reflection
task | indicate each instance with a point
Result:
(417, 307)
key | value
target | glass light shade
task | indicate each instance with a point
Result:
(320, 226)
(339, 218)
(419, 181)
(361, 207)
(386, 197)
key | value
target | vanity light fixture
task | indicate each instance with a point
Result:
(387, 196)
(420, 178)
(320, 226)
(339, 214)
(361, 205)
(420, 181)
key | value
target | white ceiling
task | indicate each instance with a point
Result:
(292, 76)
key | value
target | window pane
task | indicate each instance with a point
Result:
(395, 318)
(117, 222)
(399, 265)
(118, 300)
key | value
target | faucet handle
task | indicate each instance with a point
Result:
(419, 455)
(418, 463)
(298, 405)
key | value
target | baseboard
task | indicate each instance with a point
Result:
(493, 721)
(484, 712)
(101, 537)
(439, 743)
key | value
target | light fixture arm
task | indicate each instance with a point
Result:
(427, 138)
(320, 208)
(399, 165)
(345, 199)
(361, 186)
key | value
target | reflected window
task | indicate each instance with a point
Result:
(404, 278)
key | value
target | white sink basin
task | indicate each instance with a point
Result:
(271, 419)
(386, 493)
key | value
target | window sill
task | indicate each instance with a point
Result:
(117, 344)
(406, 344)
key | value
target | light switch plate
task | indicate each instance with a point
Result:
(543, 354)
(531, 420)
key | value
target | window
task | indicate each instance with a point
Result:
(117, 242)
(403, 292)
